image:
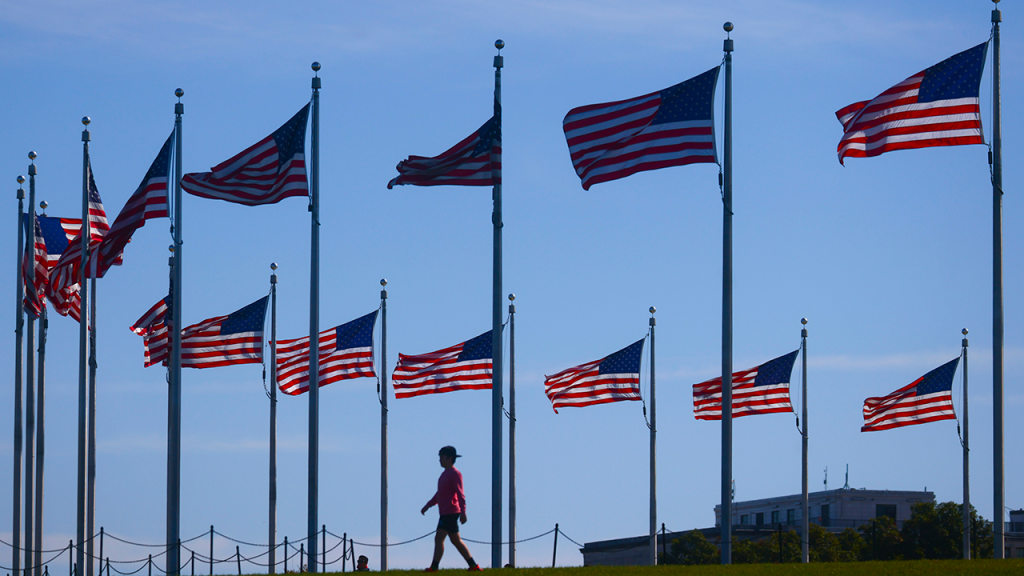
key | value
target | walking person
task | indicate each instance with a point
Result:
(451, 503)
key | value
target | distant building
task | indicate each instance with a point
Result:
(834, 510)
(1014, 539)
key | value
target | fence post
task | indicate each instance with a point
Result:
(344, 549)
(101, 550)
(150, 562)
(323, 548)
(302, 557)
(108, 565)
(664, 542)
(71, 557)
(352, 547)
(193, 561)
(285, 554)
(46, 571)
(238, 558)
(554, 552)
(211, 549)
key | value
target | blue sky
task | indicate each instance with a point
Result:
(888, 257)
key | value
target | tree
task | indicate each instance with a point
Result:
(851, 545)
(693, 548)
(882, 541)
(936, 532)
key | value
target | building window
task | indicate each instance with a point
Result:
(745, 519)
(826, 516)
(791, 516)
(885, 510)
(760, 518)
(775, 516)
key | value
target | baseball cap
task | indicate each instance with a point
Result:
(449, 451)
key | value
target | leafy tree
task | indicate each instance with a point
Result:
(693, 548)
(824, 546)
(882, 541)
(936, 532)
(851, 545)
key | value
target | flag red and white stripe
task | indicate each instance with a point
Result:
(226, 340)
(465, 366)
(265, 173)
(614, 378)
(153, 329)
(475, 161)
(927, 399)
(938, 106)
(760, 390)
(346, 351)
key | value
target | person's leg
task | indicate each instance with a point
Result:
(438, 547)
(461, 547)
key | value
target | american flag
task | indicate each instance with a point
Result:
(927, 399)
(672, 127)
(153, 329)
(35, 269)
(225, 340)
(465, 366)
(148, 201)
(265, 173)
(63, 288)
(614, 378)
(760, 390)
(936, 107)
(476, 161)
(346, 351)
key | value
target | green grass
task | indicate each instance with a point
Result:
(906, 568)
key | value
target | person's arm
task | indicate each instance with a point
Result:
(433, 500)
(461, 495)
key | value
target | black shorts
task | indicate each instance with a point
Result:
(449, 523)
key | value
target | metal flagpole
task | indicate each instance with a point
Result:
(272, 521)
(30, 386)
(19, 350)
(314, 325)
(496, 414)
(40, 436)
(654, 454)
(83, 340)
(383, 425)
(998, 490)
(727, 309)
(967, 460)
(512, 430)
(174, 390)
(805, 509)
(90, 507)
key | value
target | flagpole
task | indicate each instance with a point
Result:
(174, 390)
(727, 309)
(314, 326)
(496, 414)
(19, 350)
(654, 454)
(967, 460)
(805, 509)
(44, 323)
(30, 387)
(272, 521)
(998, 488)
(90, 508)
(83, 339)
(383, 425)
(512, 430)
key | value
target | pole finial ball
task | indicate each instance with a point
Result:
(273, 265)
(86, 120)
(315, 66)
(383, 281)
(43, 204)
(964, 331)
(727, 26)
(171, 248)
(32, 155)
(499, 43)
(21, 179)
(511, 297)
(653, 309)
(803, 321)
(179, 92)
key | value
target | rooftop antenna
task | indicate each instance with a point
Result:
(826, 478)
(847, 485)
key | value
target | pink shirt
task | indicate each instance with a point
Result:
(450, 498)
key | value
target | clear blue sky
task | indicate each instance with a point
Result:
(888, 257)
